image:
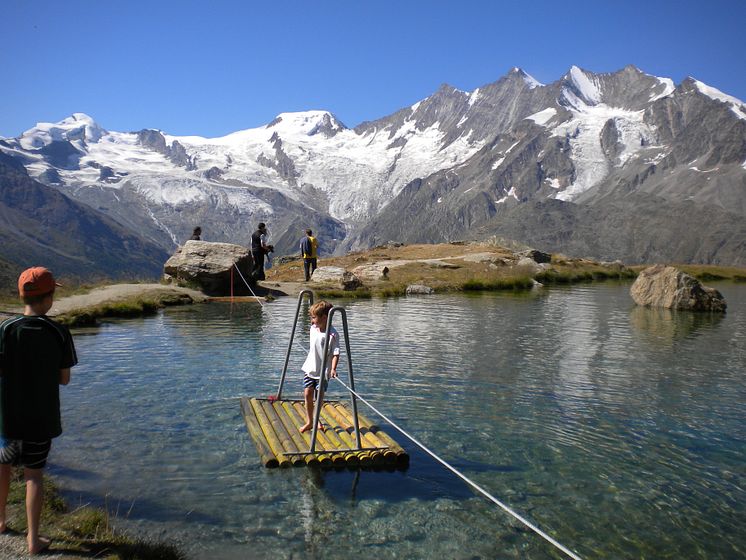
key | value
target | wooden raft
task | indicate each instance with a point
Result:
(275, 429)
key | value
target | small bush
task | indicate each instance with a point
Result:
(392, 291)
(88, 523)
(709, 277)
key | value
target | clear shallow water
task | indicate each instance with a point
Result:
(618, 430)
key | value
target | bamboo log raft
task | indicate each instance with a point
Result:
(275, 428)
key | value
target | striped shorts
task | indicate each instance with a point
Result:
(310, 382)
(29, 454)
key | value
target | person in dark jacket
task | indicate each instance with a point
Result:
(259, 248)
(196, 234)
(36, 354)
(308, 250)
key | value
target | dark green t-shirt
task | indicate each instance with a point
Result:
(32, 352)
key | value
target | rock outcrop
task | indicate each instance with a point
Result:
(208, 266)
(337, 277)
(371, 272)
(669, 287)
(419, 289)
(534, 255)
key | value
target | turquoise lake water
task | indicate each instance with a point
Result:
(620, 431)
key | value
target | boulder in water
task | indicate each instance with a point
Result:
(669, 287)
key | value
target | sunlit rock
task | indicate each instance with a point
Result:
(337, 277)
(207, 266)
(669, 287)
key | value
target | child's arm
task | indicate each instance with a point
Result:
(335, 361)
(64, 376)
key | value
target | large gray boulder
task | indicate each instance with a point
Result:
(371, 272)
(207, 266)
(534, 255)
(419, 289)
(669, 287)
(337, 277)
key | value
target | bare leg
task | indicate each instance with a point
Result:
(4, 489)
(308, 398)
(34, 498)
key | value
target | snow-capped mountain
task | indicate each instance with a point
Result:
(621, 165)
(456, 164)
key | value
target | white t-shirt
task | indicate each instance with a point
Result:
(312, 365)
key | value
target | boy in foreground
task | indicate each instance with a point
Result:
(36, 354)
(312, 366)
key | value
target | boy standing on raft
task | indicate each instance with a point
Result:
(312, 366)
(36, 354)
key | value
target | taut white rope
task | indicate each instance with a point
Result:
(466, 479)
(248, 286)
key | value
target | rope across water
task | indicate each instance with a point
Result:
(248, 285)
(447, 465)
(466, 479)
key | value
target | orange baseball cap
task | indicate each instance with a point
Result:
(36, 281)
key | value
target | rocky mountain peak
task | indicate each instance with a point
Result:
(584, 148)
(77, 127)
(309, 123)
(529, 80)
(736, 105)
(580, 88)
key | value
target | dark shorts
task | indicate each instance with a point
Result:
(29, 454)
(310, 382)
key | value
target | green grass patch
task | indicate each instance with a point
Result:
(90, 315)
(392, 291)
(360, 293)
(709, 277)
(84, 532)
(135, 307)
(564, 276)
(493, 284)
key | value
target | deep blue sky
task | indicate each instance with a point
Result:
(214, 67)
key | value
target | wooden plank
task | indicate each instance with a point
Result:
(363, 456)
(371, 439)
(272, 440)
(351, 458)
(376, 456)
(262, 447)
(402, 457)
(321, 439)
(282, 433)
(296, 436)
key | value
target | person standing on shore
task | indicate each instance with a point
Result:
(259, 248)
(196, 234)
(309, 251)
(36, 354)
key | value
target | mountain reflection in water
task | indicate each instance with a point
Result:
(618, 430)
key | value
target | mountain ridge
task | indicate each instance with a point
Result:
(588, 139)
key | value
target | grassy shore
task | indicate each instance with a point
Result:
(83, 532)
(136, 306)
(464, 266)
(452, 268)
(86, 306)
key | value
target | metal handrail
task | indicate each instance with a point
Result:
(309, 293)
